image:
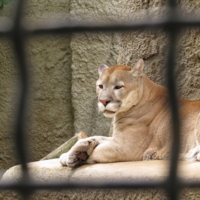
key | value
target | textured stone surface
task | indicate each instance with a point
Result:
(50, 116)
(188, 64)
(63, 72)
(50, 105)
(51, 170)
(98, 49)
(147, 44)
(97, 194)
(152, 46)
(8, 95)
(50, 67)
(88, 51)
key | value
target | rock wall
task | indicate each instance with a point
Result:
(147, 44)
(63, 68)
(151, 45)
(63, 71)
(8, 94)
(88, 51)
(50, 115)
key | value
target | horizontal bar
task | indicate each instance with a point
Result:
(190, 184)
(56, 185)
(126, 26)
(5, 29)
(109, 185)
(73, 26)
(30, 185)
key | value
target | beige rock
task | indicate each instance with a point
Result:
(51, 171)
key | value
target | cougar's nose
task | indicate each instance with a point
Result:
(105, 102)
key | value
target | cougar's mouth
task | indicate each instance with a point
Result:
(109, 112)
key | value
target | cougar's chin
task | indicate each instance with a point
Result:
(108, 113)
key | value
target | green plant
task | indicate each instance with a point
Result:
(4, 2)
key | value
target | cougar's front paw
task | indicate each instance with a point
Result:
(78, 153)
(193, 154)
(73, 160)
(150, 154)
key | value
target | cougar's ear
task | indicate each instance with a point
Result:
(101, 68)
(138, 68)
(140, 65)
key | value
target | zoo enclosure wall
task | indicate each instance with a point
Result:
(172, 24)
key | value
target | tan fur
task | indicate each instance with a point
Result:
(141, 124)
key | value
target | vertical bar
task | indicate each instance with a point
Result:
(172, 3)
(172, 181)
(18, 41)
(173, 185)
(17, 36)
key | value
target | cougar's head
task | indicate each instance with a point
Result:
(119, 88)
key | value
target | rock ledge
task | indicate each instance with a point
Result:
(52, 170)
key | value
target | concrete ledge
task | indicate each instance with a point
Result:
(51, 170)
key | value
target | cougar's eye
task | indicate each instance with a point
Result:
(101, 86)
(118, 87)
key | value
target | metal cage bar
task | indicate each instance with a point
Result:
(17, 37)
(17, 34)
